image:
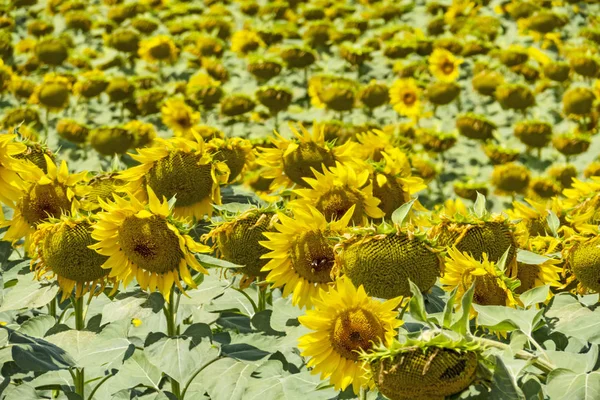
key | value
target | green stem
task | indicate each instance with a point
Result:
(262, 298)
(189, 382)
(542, 365)
(46, 124)
(80, 382)
(91, 396)
(363, 393)
(79, 315)
(172, 330)
(52, 307)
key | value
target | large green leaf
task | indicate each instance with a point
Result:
(177, 358)
(564, 384)
(505, 319)
(571, 318)
(233, 379)
(137, 370)
(39, 355)
(37, 326)
(27, 294)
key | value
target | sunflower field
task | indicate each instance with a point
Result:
(299, 199)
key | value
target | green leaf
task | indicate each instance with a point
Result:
(527, 257)
(137, 370)
(28, 294)
(399, 215)
(479, 207)
(285, 314)
(210, 289)
(262, 322)
(564, 384)
(502, 261)
(37, 326)
(534, 296)
(127, 307)
(417, 304)
(233, 379)
(505, 319)
(243, 351)
(462, 324)
(89, 349)
(449, 309)
(38, 355)
(553, 222)
(175, 358)
(504, 385)
(573, 319)
(212, 262)
(579, 363)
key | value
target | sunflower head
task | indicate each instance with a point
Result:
(563, 174)
(180, 117)
(144, 25)
(475, 127)
(572, 143)
(583, 261)
(424, 168)
(544, 187)
(275, 98)
(101, 187)
(424, 368)
(119, 89)
(61, 247)
(515, 96)
(436, 141)
(557, 71)
(405, 97)
(297, 57)
(263, 68)
(236, 105)
(90, 84)
(72, 130)
(374, 94)
(510, 178)
(53, 93)
(384, 263)
(317, 34)
(468, 190)
(578, 101)
(236, 153)
(442, 93)
(110, 140)
(534, 134)
(444, 65)
(585, 65)
(355, 54)
(593, 169)
(160, 48)
(345, 322)
(487, 81)
(143, 132)
(237, 239)
(51, 51)
(499, 154)
(246, 41)
(334, 93)
(337, 190)
(514, 55)
(124, 40)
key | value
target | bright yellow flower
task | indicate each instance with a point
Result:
(179, 117)
(157, 49)
(405, 97)
(444, 65)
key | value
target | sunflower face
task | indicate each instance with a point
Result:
(312, 257)
(417, 374)
(44, 201)
(384, 264)
(488, 291)
(299, 163)
(150, 244)
(179, 175)
(585, 264)
(527, 275)
(355, 330)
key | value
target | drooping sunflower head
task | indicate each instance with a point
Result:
(543, 187)
(302, 257)
(583, 262)
(578, 101)
(145, 242)
(441, 93)
(237, 239)
(492, 284)
(264, 68)
(374, 94)
(338, 189)
(487, 81)
(499, 154)
(61, 247)
(53, 93)
(46, 195)
(236, 153)
(557, 71)
(444, 65)
(290, 161)
(425, 368)
(535, 134)
(297, 57)
(572, 143)
(90, 84)
(469, 189)
(424, 168)
(51, 51)
(511, 178)
(236, 105)
(179, 117)
(111, 140)
(143, 132)
(345, 322)
(246, 41)
(563, 174)
(158, 49)
(35, 153)
(546, 272)
(513, 55)
(384, 263)
(332, 92)
(515, 96)
(178, 168)
(355, 54)
(72, 130)
(475, 127)
(405, 97)
(436, 141)
(275, 98)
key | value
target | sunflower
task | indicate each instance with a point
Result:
(338, 189)
(146, 242)
(546, 272)
(236, 152)
(11, 168)
(288, 162)
(158, 49)
(345, 322)
(60, 247)
(405, 97)
(181, 168)
(179, 117)
(583, 262)
(532, 218)
(374, 142)
(444, 65)
(492, 286)
(46, 196)
(246, 41)
(301, 256)
(53, 93)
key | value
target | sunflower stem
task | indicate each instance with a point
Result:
(363, 393)
(262, 298)
(52, 307)
(543, 365)
(80, 382)
(172, 330)
(79, 315)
